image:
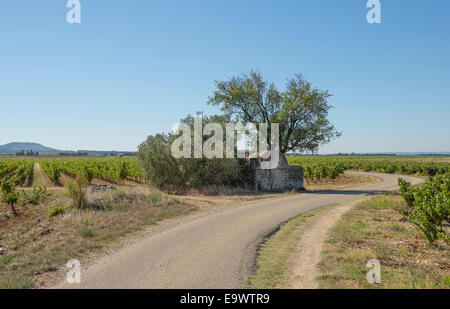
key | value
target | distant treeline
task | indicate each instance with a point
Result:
(96, 153)
(31, 153)
(78, 153)
(373, 155)
(28, 153)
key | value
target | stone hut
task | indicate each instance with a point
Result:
(283, 177)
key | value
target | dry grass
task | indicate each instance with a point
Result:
(346, 180)
(31, 244)
(273, 260)
(221, 190)
(373, 230)
(39, 176)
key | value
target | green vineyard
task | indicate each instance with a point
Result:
(117, 169)
(20, 170)
(318, 167)
(109, 169)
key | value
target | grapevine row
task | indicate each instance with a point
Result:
(332, 167)
(106, 169)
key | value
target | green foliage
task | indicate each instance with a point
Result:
(447, 281)
(408, 195)
(9, 194)
(56, 211)
(35, 196)
(123, 171)
(52, 170)
(317, 167)
(321, 170)
(6, 259)
(159, 167)
(77, 190)
(89, 173)
(8, 165)
(162, 169)
(109, 169)
(7, 185)
(301, 110)
(20, 170)
(55, 173)
(22, 173)
(430, 204)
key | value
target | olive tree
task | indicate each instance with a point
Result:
(161, 168)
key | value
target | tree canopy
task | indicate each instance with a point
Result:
(300, 110)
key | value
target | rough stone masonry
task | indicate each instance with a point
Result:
(284, 177)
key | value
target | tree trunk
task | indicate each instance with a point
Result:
(13, 210)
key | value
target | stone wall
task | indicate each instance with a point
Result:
(282, 178)
(279, 179)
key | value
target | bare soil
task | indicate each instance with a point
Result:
(346, 180)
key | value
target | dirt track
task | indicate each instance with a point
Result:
(306, 255)
(215, 250)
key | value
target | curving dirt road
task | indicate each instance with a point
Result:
(216, 250)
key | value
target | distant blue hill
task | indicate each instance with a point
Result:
(13, 148)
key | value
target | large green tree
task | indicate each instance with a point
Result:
(300, 110)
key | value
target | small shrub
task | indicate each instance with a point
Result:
(6, 259)
(9, 194)
(290, 192)
(155, 197)
(34, 197)
(77, 190)
(87, 233)
(89, 174)
(430, 205)
(56, 211)
(447, 281)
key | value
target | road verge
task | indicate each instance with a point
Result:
(289, 258)
(374, 230)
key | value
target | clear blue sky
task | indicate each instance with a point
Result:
(134, 68)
